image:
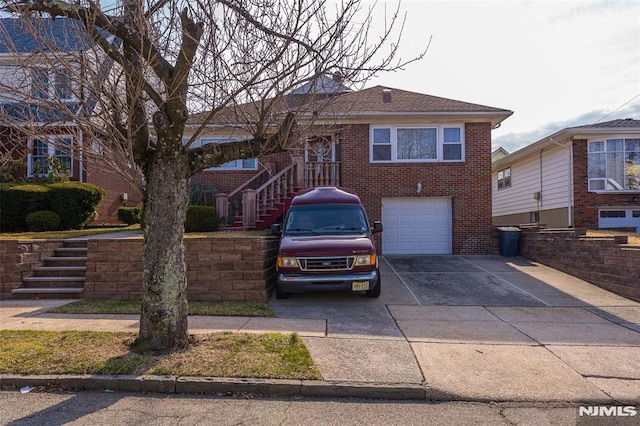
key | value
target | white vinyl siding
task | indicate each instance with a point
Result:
(526, 182)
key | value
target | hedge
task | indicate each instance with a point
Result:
(74, 202)
(201, 219)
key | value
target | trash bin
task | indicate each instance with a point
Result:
(509, 237)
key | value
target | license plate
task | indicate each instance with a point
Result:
(360, 285)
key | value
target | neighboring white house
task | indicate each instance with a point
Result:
(585, 176)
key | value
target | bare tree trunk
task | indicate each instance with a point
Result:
(163, 322)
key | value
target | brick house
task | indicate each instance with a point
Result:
(33, 125)
(584, 177)
(420, 163)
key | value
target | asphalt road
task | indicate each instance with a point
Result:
(91, 408)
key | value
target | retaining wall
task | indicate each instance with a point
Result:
(18, 258)
(218, 268)
(608, 262)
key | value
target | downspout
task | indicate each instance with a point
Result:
(569, 149)
(539, 200)
(81, 142)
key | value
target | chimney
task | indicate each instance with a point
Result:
(386, 96)
(338, 77)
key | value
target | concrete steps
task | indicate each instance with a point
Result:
(62, 275)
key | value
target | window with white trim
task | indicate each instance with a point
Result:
(248, 164)
(52, 84)
(504, 178)
(614, 164)
(404, 144)
(45, 149)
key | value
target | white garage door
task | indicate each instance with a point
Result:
(416, 225)
(619, 218)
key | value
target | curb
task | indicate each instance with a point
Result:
(221, 386)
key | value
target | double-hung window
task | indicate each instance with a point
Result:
(48, 151)
(52, 84)
(614, 164)
(504, 178)
(404, 144)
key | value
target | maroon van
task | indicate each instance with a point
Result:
(327, 245)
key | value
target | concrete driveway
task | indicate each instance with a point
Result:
(479, 328)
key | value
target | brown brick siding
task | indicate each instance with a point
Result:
(607, 262)
(114, 185)
(468, 183)
(586, 203)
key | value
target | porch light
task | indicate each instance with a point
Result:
(418, 188)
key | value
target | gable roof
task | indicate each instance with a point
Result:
(389, 100)
(614, 124)
(620, 127)
(68, 35)
(365, 106)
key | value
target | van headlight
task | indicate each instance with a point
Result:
(366, 260)
(287, 262)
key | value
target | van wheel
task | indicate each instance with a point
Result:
(375, 292)
(281, 294)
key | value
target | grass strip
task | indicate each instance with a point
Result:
(105, 306)
(269, 356)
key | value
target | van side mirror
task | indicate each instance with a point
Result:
(377, 227)
(276, 229)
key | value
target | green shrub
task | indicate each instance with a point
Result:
(130, 215)
(200, 219)
(75, 202)
(42, 220)
(17, 201)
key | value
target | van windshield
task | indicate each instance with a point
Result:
(326, 219)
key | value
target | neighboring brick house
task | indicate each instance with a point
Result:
(584, 177)
(420, 163)
(34, 126)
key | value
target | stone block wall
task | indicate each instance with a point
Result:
(18, 258)
(608, 262)
(225, 268)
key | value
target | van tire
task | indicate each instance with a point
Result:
(375, 292)
(281, 294)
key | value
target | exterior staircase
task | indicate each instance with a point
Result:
(257, 207)
(62, 276)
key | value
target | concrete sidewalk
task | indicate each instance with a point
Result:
(561, 339)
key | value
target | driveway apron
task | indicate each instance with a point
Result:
(479, 328)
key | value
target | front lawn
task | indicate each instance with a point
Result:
(271, 355)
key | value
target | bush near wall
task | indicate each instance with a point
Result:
(201, 219)
(74, 202)
(130, 215)
(17, 201)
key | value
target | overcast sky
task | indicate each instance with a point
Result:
(555, 64)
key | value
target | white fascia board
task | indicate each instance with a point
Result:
(368, 117)
(561, 137)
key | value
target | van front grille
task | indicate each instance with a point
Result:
(326, 263)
